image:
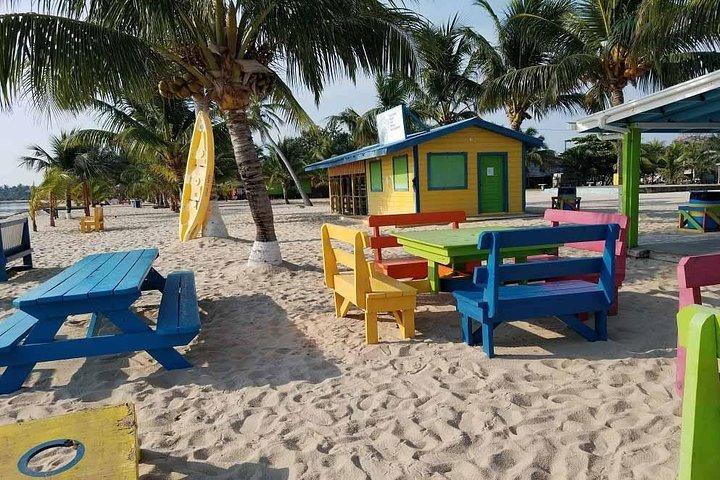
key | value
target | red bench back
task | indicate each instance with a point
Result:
(696, 272)
(378, 241)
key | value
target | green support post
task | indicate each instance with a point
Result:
(631, 183)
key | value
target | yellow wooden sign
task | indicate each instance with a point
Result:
(198, 179)
(104, 441)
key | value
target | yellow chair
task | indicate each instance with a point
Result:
(363, 286)
(94, 223)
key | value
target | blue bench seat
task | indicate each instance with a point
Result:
(179, 313)
(14, 328)
(537, 300)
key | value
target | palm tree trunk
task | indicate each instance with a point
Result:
(285, 194)
(617, 95)
(296, 180)
(86, 198)
(68, 204)
(214, 223)
(52, 209)
(266, 248)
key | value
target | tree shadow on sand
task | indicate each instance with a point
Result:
(162, 465)
(643, 329)
(244, 340)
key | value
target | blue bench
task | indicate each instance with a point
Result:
(14, 244)
(506, 292)
(105, 285)
(179, 314)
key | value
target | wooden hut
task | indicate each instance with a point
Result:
(471, 165)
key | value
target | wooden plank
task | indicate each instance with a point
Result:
(132, 282)
(189, 313)
(169, 304)
(56, 293)
(106, 286)
(82, 290)
(14, 329)
(40, 290)
(417, 219)
(108, 436)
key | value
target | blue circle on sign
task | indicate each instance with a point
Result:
(25, 459)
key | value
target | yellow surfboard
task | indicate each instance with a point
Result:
(198, 179)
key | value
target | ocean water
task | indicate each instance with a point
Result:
(11, 207)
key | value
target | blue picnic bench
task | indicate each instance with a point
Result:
(14, 244)
(104, 285)
(506, 292)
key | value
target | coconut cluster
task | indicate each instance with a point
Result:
(180, 87)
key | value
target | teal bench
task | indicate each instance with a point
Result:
(104, 285)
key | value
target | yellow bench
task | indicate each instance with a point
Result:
(363, 286)
(94, 223)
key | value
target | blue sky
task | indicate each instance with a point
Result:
(21, 127)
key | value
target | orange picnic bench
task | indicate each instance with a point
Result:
(406, 266)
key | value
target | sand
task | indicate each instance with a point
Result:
(282, 389)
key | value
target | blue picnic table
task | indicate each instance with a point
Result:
(104, 285)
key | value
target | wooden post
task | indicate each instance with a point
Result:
(631, 183)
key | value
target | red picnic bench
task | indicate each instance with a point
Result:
(585, 217)
(406, 266)
(693, 273)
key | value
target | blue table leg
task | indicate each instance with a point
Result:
(43, 332)
(128, 322)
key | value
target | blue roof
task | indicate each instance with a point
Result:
(688, 107)
(379, 150)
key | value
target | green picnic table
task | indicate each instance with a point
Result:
(456, 247)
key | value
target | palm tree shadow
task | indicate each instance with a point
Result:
(244, 340)
(163, 465)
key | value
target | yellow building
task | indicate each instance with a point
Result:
(471, 165)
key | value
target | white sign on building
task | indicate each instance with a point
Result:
(391, 125)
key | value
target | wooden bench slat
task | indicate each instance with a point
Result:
(14, 328)
(33, 295)
(132, 281)
(179, 313)
(83, 289)
(113, 278)
(56, 293)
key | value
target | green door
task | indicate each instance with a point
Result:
(492, 182)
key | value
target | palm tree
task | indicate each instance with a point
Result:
(277, 172)
(651, 156)
(610, 44)
(80, 162)
(515, 51)
(265, 117)
(445, 92)
(391, 91)
(221, 50)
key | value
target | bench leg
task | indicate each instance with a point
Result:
(27, 261)
(487, 338)
(14, 376)
(407, 325)
(371, 328)
(342, 306)
(3, 273)
(467, 332)
(601, 325)
(128, 322)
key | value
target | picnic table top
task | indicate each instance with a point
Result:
(445, 244)
(96, 276)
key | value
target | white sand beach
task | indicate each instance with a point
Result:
(282, 389)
